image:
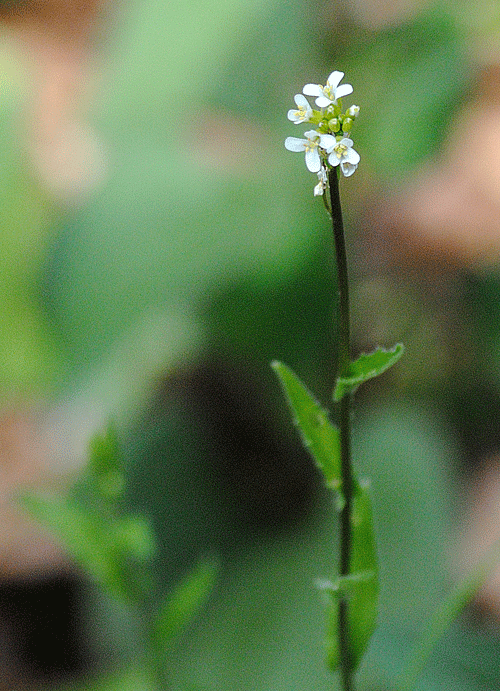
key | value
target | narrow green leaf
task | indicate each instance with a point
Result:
(181, 605)
(87, 537)
(319, 436)
(359, 587)
(446, 613)
(367, 366)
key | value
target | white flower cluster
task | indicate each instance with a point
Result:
(329, 145)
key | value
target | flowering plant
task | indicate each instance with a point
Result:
(329, 145)
(352, 594)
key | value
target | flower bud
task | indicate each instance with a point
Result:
(334, 125)
(347, 124)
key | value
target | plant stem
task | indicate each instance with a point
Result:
(344, 421)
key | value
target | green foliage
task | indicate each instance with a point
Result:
(359, 587)
(87, 536)
(320, 437)
(446, 613)
(181, 605)
(28, 350)
(112, 546)
(423, 73)
(116, 548)
(367, 366)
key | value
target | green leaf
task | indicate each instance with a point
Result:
(135, 536)
(87, 537)
(359, 587)
(446, 613)
(367, 366)
(106, 463)
(319, 436)
(181, 605)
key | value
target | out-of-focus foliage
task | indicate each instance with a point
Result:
(207, 221)
(411, 80)
(28, 353)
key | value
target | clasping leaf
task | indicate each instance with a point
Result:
(359, 588)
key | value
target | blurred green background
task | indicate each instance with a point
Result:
(160, 247)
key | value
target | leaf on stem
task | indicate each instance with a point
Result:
(359, 588)
(181, 605)
(319, 436)
(367, 366)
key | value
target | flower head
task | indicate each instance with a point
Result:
(329, 145)
(303, 112)
(310, 145)
(329, 93)
(342, 153)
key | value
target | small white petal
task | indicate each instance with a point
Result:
(352, 156)
(312, 90)
(327, 142)
(318, 189)
(347, 168)
(313, 161)
(295, 144)
(301, 101)
(333, 159)
(312, 134)
(323, 101)
(335, 78)
(343, 90)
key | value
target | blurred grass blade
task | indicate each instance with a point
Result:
(367, 366)
(181, 605)
(446, 613)
(360, 587)
(319, 436)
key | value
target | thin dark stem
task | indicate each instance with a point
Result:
(344, 420)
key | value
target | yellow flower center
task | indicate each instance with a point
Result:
(340, 150)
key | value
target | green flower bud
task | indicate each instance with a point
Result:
(347, 124)
(334, 125)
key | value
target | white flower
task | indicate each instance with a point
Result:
(331, 92)
(310, 146)
(342, 153)
(322, 182)
(303, 112)
(352, 111)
